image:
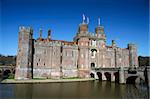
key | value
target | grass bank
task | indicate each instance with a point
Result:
(13, 81)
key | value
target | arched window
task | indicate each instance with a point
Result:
(92, 65)
(93, 53)
(93, 43)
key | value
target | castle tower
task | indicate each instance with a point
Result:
(133, 58)
(99, 30)
(24, 57)
(83, 43)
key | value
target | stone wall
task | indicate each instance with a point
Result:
(69, 61)
(54, 60)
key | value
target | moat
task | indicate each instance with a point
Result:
(74, 90)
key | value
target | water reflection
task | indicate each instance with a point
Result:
(74, 90)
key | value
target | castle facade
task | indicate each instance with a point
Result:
(49, 58)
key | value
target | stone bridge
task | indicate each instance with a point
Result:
(121, 75)
(5, 70)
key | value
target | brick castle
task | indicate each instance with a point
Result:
(48, 58)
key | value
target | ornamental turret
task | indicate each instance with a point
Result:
(83, 27)
(99, 30)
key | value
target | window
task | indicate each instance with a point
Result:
(92, 65)
(93, 54)
(93, 43)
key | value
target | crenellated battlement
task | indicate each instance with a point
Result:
(25, 28)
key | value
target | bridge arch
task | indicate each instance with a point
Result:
(92, 75)
(116, 74)
(6, 73)
(13, 71)
(108, 76)
(131, 79)
(135, 79)
(99, 74)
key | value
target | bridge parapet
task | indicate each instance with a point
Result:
(106, 69)
(121, 74)
(8, 67)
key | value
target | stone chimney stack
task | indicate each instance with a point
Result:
(40, 31)
(113, 43)
(49, 34)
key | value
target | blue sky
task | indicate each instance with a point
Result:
(124, 20)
